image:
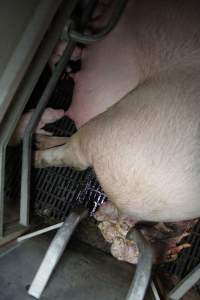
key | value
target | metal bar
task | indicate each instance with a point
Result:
(143, 271)
(55, 251)
(27, 140)
(155, 291)
(2, 181)
(185, 284)
(21, 98)
(39, 232)
(88, 39)
(25, 51)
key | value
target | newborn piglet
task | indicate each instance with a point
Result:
(165, 238)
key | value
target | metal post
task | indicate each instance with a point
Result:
(2, 181)
(55, 251)
(143, 271)
(21, 98)
(27, 141)
(25, 51)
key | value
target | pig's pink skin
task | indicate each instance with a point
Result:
(58, 52)
(109, 72)
(145, 148)
(50, 115)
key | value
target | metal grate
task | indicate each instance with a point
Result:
(57, 190)
(189, 258)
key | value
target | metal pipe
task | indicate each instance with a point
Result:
(143, 271)
(26, 159)
(154, 291)
(88, 39)
(21, 98)
(27, 140)
(55, 251)
(39, 232)
(185, 284)
(24, 52)
(2, 181)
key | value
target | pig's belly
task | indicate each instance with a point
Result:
(109, 71)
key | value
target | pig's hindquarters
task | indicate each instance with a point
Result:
(144, 150)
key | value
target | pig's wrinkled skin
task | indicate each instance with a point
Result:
(145, 149)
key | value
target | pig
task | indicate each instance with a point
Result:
(101, 81)
(58, 52)
(143, 141)
(50, 115)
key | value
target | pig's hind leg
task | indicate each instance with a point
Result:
(67, 155)
(43, 142)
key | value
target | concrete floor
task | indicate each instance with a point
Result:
(83, 273)
(192, 295)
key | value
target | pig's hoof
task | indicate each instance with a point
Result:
(39, 161)
(43, 142)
